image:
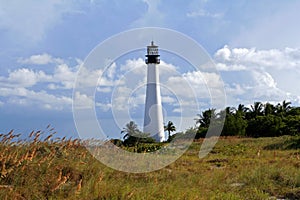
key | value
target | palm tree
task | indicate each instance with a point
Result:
(170, 128)
(256, 109)
(242, 109)
(283, 108)
(205, 118)
(131, 129)
(229, 110)
(269, 109)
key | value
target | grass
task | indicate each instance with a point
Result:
(237, 168)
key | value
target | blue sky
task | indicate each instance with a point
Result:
(255, 45)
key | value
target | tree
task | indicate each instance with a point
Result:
(133, 136)
(269, 109)
(292, 125)
(256, 110)
(170, 128)
(283, 108)
(265, 126)
(292, 121)
(131, 129)
(242, 109)
(260, 120)
(229, 110)
(210, 122)
(206, 117)
(234, 122)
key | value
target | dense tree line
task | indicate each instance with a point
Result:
(258, 120)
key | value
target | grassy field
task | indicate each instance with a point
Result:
(237, 168)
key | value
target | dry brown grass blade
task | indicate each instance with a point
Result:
(59, 176)
(79, 185)
(48, 138)
(31, 134)
(61, 182)
(10, 187)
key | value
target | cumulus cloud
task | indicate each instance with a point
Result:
(40, 59)
(266, 75)
(24, 77)
(120, 98)
(136, 65)
(168, 99)
(83, 101)
(243, 58)
(249, 75)
(139, 67)
(193, 84)
(177, 88)
(104, 106)
(63, 77)
(129, 82)
(24, 97)
(182, 90)
(31, 87)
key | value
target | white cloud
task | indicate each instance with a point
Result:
(176, 110)
(138, 66)
(135, 100)
(128, 85)
(24, 77)
(128, 90)
(153, 16)
(233, 67)
(246, 58)
(29, 87)
(234, 89)
(97, 77)
(223, 54)
(63, 77)
(168, 99)
(194, 84)
(83, 101)
(264, 79)
(177, 88)
(266, 75)
(104, 89)
(104, 106)
(204, 13)
(249, 75)
(120, 98)
(111, 71)
(25, 97)
(40, 59)
(190, 89)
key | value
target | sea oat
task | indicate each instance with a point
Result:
(79, 185)
(62, 181)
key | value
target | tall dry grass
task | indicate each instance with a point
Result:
(44, 166)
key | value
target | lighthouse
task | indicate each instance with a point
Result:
(153, 118)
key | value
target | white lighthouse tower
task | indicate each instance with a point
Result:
(153, 119)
